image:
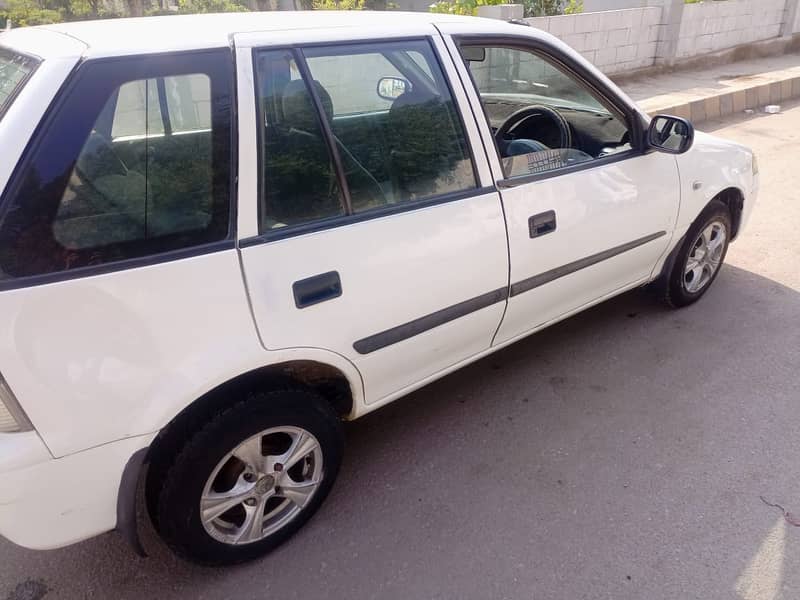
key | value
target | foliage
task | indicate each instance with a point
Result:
(23, 13)
(210, 6)
(338, 4)
(546, 8)
(462, 7)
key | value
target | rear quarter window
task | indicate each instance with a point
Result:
(15, 70)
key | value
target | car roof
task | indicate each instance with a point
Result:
(191, 32)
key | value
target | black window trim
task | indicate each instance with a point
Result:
(282, 233)
(4, 108)
(340, 220)
(41, 130)
(555, 57)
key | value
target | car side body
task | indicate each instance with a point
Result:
(104, 361)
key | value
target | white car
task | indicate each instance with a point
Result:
(220, 235)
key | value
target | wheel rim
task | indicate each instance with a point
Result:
(705, 257)
(261, 485)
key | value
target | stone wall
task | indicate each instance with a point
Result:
(614, 40)
(663, 31)
(711, 26)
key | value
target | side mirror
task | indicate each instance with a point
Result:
(670, 134)
(391, 88)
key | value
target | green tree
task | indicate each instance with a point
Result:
(338, 4)
(546, 8)
(462, 7)
(23, 13)
(210, 6)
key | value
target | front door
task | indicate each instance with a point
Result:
(378, 236)
(588, 213)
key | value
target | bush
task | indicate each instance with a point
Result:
(23, 13)
(546, 8)
(462, 7)
(210, 6)
(338, 4)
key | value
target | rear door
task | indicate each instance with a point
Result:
(366, 226)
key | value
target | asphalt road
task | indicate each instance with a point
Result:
(620, 454)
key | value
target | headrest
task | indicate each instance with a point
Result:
(298, 109)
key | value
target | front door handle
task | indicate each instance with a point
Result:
(542, 224)
(316, 289)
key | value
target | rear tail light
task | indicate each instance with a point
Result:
(12, 417)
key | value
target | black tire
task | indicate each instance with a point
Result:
(674, 288)
(177, 502)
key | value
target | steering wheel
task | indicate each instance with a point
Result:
(517, 117)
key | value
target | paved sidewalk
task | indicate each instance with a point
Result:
(719, 91)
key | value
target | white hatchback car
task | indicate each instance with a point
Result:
(222, 234)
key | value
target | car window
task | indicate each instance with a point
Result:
(149, 174)
(298, 182)
(542, 117)
(15, 69)
(394, 127)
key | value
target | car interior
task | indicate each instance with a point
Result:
(154, 183)
(539, 111)
(405, 149)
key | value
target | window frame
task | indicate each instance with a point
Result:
(36, 62)
(340, 220)
(553, 56)
(220, 70)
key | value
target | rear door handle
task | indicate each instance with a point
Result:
(316, 289)
(542, 224)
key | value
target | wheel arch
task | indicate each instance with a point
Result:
(328, 381)
(733, 198)
(150, 466)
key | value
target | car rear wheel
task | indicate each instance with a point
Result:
(700, 257)
(250, 478)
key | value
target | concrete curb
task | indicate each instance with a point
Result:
(752, 92)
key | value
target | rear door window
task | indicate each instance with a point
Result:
(383, 110)
(15, 70)
(132, 166)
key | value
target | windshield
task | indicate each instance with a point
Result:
(15, 69)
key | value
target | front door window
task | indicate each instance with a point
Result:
(542, 118)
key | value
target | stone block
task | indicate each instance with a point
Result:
(587, 22)
(751, 98)
(647, 50)
(726, 104)
(618, 37)
(739, 101)
(563, 25)
(786, 89)
(763, 94)
(605, 56)
(654, 32)
(596, 40)
(626, 53)
(713, 108)
(775, 93)
(697, 110)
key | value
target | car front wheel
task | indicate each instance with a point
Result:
(250, 478)
(700, 257)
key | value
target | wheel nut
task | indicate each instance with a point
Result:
(249, 477)
(278, 467)
(250, 502)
